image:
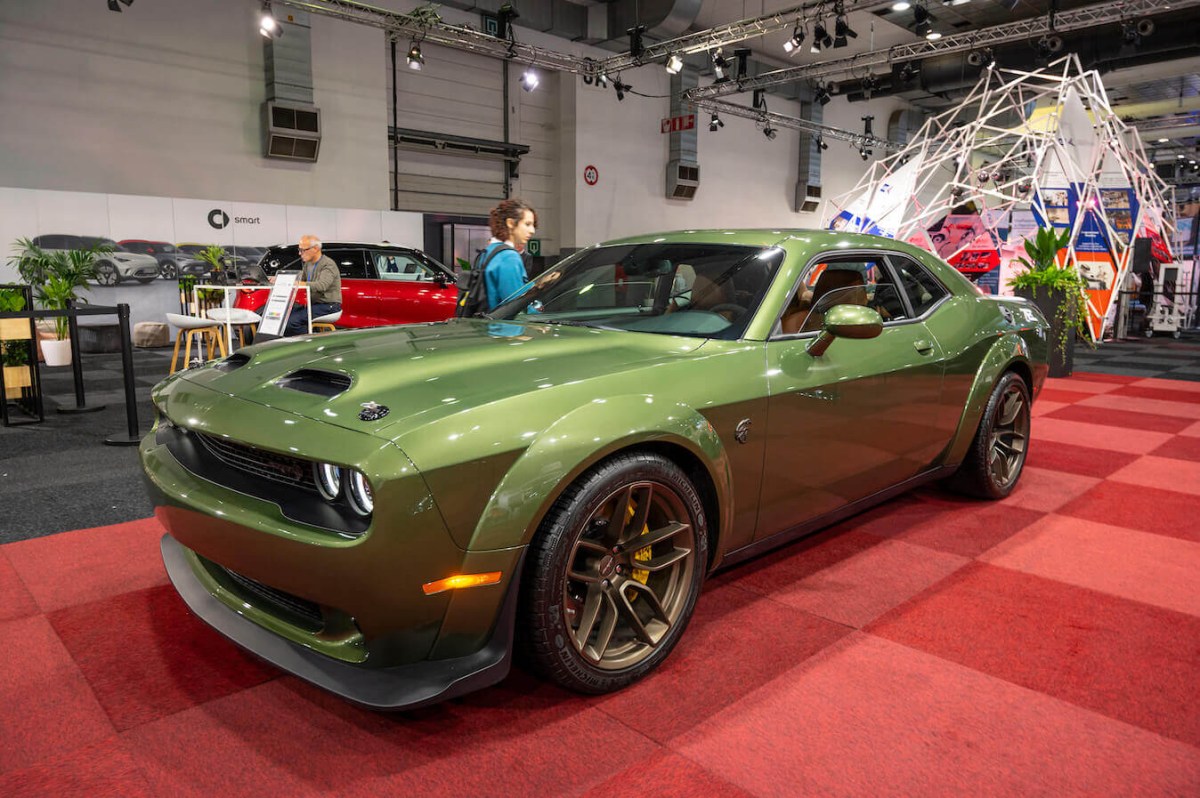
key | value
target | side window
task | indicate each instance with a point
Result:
(399, 266)
(352, 263)
(850, 279)
(923, 289)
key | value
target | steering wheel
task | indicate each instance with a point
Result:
(736, 311)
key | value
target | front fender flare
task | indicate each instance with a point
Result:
(579, 440)
(1008, 349)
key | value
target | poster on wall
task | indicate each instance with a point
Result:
(158, 237)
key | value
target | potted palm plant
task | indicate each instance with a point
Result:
(56, 278)
(1058, 291)
(214, 256)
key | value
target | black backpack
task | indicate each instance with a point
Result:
(472, 288)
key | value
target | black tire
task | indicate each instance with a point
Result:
(996, 458)
(634, 597)
(106, 273)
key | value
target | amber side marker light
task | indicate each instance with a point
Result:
(461, 581)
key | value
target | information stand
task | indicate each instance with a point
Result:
(278, 308)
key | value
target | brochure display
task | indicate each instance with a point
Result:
(1044, 146)
(278, 307)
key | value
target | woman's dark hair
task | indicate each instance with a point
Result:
(508, 209)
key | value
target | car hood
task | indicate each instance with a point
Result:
(425, 372)
(135, 257)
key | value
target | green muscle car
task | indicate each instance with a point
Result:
(390, 513)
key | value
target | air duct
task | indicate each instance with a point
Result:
(291, 123)
(808, 183)
(683, 165)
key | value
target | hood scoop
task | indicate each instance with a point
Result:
(233, 362)
(316, 381)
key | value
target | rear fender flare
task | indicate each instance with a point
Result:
(579, 440)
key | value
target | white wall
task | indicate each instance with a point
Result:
(746, 180)
(165, 99)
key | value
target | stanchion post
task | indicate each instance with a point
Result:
(133, 436)
(81, 405)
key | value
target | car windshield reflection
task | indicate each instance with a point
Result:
(699, 290)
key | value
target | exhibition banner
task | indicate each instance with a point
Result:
(881, 210)
(143, 221)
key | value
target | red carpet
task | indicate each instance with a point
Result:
(1048, 644)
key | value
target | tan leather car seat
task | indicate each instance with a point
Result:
(831, 280)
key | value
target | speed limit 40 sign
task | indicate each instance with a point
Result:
(591, 175)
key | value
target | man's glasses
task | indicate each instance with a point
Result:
(306, 249)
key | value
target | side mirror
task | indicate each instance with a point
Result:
(846, 321)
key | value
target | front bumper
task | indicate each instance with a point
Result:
(398, 687)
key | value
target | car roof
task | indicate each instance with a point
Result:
(328, 244)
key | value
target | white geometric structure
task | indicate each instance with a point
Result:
(1022, 150)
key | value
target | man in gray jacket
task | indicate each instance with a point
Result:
(324, 286)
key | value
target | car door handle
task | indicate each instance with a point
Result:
(923, 346)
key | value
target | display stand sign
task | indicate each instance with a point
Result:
(278, 308)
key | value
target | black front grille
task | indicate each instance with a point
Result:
(302, 609)
(269, 465)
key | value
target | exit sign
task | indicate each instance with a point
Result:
(675, 124)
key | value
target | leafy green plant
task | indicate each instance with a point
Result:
(15, 353)
(1043, 272)
(214, 256)
(57, 276)
(11, 300)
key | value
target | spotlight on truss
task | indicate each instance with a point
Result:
(822, 95)
(769, 131)
(715, 123)
(674, 64)
(415, 60)
(792, 45)
(720, 67)
(529, 80)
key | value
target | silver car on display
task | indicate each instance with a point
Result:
(114, 265)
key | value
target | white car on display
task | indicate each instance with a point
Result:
(115, 265)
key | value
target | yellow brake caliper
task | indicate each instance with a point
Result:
(643, 554)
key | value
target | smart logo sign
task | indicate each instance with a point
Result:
(219, 220)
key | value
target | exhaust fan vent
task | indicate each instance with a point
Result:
(291, 131)
(683, 178)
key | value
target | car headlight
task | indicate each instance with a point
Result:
(329, 480)
(361, 499)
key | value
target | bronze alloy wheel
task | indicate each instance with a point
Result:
(1009, 436)
(614, 574)
(996, 456)
(630, 573)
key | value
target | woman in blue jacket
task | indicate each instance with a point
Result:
(513, 223)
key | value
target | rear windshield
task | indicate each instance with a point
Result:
(700, 290)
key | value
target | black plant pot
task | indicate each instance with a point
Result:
(1062, 343)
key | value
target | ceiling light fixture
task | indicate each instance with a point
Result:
(864, 153)
(821, 38)
(822, 145)
(901, 6)
(822, 95)
(268, 26)
(621, 88)
(841, 28)
(715, 123)
(720, 67)
(114, 6)
(792, 45)
(414, 57)
(742, 54)
(769, 131)
(602, 80)
(529, 80)
(674, 64)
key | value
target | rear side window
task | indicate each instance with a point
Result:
(352, 263)
(923, 289)
(401, 266)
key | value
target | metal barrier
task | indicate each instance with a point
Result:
(72, 313)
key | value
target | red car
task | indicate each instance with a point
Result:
(382, 284)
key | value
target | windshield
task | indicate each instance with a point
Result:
(702, 290)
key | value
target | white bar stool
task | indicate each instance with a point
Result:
(205, 332)
(239, 318)
(327, 323)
